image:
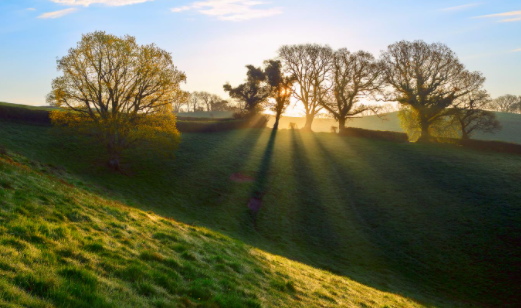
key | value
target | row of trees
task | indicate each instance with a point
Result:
(202, 101)
(426, 79)
(506, 103)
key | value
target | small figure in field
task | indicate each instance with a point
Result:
(334, 129)
(293, 125)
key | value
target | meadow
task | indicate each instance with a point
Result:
(437, 224)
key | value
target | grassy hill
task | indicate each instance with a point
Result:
(439, 225)
(511, 123)
(61, 246)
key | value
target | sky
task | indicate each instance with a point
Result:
(213, 40)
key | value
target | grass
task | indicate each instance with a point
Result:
(437, 224)
(61, 246)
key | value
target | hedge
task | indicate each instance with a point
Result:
(21, 114)
(375, 134)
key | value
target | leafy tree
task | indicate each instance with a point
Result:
(280, 88)
(118, 91)
(470, 115)
(428, 78)
(253, 93)
(440, 128)
(311, 65)
(219, 104)
(506, 103)
(354, 75)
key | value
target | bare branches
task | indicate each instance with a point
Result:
(427, 77)
(311, 65)
(354, 76)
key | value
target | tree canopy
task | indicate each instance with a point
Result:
(311, 66)
(119, 91)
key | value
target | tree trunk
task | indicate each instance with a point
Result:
(341, 125)
(277, 120)
(425, 135)
(309, 122)
(464, 135)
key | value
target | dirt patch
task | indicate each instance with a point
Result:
(242, 178)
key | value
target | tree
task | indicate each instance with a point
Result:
(253, 93)
(311, 66)
(205, 99)
(280, 88)
(193, 102)
(118, 91)
(470, 115)
(220, 104)
(354, 75)
(506, 103)
(182, 100)
(427, 77)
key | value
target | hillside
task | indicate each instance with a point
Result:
(437, 224)
(65, 247)
(510, 133)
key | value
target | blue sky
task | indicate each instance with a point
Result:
(212, 40)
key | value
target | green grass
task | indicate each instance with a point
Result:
(437, 224)
(61, 246)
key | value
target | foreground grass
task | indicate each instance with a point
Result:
(61, 246)
(438, 224)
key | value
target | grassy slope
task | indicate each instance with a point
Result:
(61, 246)
(437, 224)
(510, 132)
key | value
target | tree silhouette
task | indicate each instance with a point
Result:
(354, 75)
(311, 66)
(253, 93)
(471, 117)
(280, 88)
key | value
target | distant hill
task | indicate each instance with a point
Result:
(511, 123)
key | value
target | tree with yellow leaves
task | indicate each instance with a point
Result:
(121, 92)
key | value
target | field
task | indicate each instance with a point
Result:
(437, 224)
(510, 133)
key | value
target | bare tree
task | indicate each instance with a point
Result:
(354, 75)
(311, 65)
(428, 78)
(193, 102)
(506, 103)
(470, 115)
(181, 101)
(280, 90)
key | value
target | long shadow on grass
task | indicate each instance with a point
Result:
(312, 221)
(476, 222)
(443, 224)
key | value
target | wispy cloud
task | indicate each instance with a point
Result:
(31, 9)
(57, 14)
(505, 17)
(231, 10)
(180, 9)
(517, 50)
(86, 3)
(460, 7)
